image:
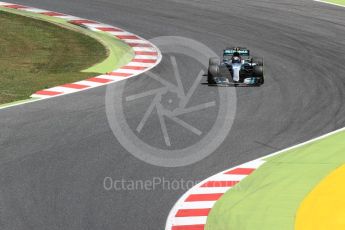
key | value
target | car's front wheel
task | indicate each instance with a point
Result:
(214, 61)
(213, 71)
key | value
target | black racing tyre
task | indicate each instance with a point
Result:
(213, 71)
(259, 71)
(262, 81)
(210, 79)
(258, 61)
(214, 61)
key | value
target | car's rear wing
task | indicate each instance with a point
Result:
(241, 51)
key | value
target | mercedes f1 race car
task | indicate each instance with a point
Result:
(237, 68)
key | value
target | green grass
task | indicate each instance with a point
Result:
(340, 2)
(270, 197)
(36, 54)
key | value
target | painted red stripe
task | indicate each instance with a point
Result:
(120, 74)
(139, 44)
(48, 93)
(127, 37)
(193, 212)
(82, 21)
(203, 197)
(146, 53)
(75, 86)
(144, 60)
(241, 171)
(189, 227)
(106, 29)
(134, 67)
(14, 6)
(220, 184)
(99, 80)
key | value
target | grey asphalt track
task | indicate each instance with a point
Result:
(54, 154)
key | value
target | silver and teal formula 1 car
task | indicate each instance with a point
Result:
(237, 68)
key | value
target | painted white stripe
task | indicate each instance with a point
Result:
(141, 64)
(5, 3)
(252, 164)
(119, 33)
(149, 49)
(68, 17)
(40, 96)
(114, 78)
(105, 25)
(89, 83)
(93, 29)
(138, 41)
(91, 25)
(190, 220)
(227, 177)
(97, 25)
(131, 71)
(35, 10)
(209, 190)
(146, 57)
(63, 89)
(196, 205)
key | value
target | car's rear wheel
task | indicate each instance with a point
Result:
(262, 81)
(259, 71)
(258, 61)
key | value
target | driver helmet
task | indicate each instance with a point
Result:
(236, 59)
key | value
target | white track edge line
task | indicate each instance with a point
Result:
(330, 3)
